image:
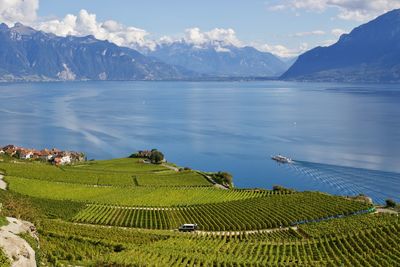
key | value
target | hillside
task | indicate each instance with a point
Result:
(30, 55)
(220, 60)
(125, 212)
(369, 53)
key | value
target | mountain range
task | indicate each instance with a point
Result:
(369, 53)
(219, 59)
(30, 55)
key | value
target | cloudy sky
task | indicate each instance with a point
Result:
(283, 27)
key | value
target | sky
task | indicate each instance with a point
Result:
(284, 27)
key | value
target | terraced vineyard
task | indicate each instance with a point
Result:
(129, 196)
(376, 246)
(249, 214)
(71, 206)
(119, 172)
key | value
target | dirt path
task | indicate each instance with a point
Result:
(170, 167)
(3, 185)
(235, 233)
(385, 210)
(16, 248)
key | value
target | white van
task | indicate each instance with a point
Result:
(188, 227)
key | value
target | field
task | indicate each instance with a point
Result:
(379, 245)
(119, 172)
(255, 213)
(129, 196)
(123, 212)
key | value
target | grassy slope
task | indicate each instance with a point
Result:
(3, 221)
(117, 172)
(356, 241)
(248, 214)
(376, 246)
(129, 196)
(4, 261)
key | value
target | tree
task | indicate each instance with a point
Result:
(390, 203)
(156, 156)
(223, 178)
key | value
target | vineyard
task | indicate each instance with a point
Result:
(107, 173)
(379, 245)
(256, 213)
(127, 196)
(123, 212)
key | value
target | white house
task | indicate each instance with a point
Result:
(66, 160)
(26, 155)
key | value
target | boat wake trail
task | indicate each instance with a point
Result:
(379, 185)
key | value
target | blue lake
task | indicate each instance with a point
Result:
(344, 138)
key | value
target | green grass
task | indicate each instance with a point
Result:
(63, 209)
(34, 245)
(129, 196)
(117, 172)
(46, 172)
(3, 221)
(4, 261)
(133, 165)
(172, 178)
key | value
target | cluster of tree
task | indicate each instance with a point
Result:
(223, 178)
(155, 156)
(282, 189)
(390, 203)
(185, 169)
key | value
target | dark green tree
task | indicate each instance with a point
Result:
(390, 203)
(156, 157)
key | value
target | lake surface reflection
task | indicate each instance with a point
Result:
(344, 138)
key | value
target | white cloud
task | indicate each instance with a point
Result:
(216, 36)
(338, 32)
(283, 51)
(360, 10)
(23, 11)
(310, 33)
(86, 24)
(329, 42)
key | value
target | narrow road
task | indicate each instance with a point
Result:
(170, 167)
(16, 248)
(3, 185)
(386, 210)
(234, 233)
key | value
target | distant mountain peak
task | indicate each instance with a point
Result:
(22, 29)
(369, 53)
(218, 58)
(30, 55)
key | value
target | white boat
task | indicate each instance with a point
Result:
(282, 159)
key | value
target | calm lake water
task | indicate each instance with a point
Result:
(344, 138)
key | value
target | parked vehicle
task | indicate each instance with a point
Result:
(188, 227)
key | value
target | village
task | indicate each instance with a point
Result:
(54, 156)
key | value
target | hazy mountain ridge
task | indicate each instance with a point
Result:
(370, 53)
(223, 60)
(30, 55)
